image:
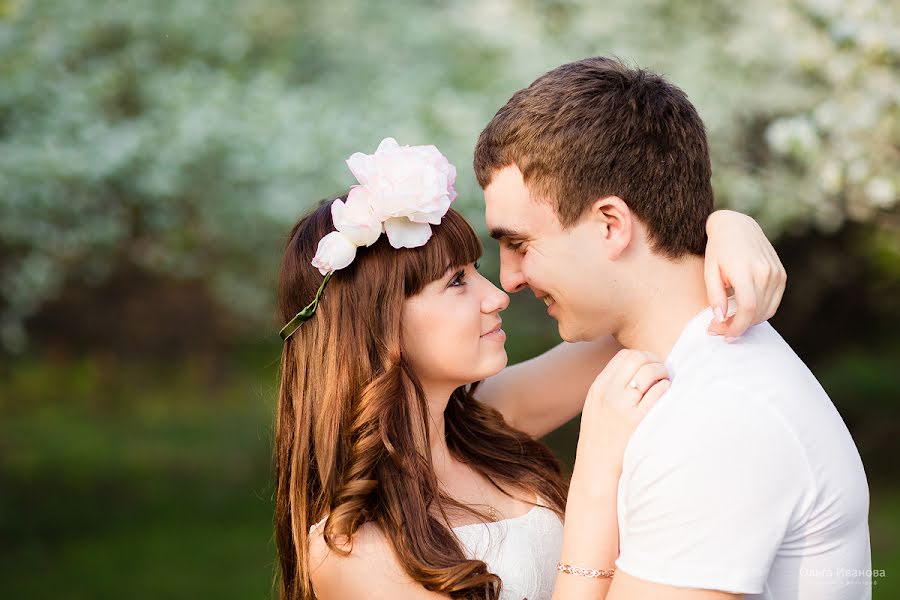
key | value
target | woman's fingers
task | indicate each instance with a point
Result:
(653, 394)
(747, 302)
(624, 361)
(775, 294)
(716, 291)
(625, 381)
(625, 371)
(774, 303)
(647, 376)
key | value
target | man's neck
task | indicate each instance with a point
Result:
(667, 296)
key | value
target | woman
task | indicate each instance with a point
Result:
(397, 475)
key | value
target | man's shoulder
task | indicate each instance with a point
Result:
(727, 422)
(699, 453)
(760, 355)
(733, 401)
(759, 365)
(696, 403)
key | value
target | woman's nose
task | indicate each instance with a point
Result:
(495, 301)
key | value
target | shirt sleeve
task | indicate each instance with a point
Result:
(707, 504)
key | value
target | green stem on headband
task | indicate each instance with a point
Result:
(304, 315)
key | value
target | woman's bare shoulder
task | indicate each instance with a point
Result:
(368, 542)
(370, 568)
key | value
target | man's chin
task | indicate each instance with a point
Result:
(565, 333)
(574, 334)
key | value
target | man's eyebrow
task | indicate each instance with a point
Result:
(499, 233)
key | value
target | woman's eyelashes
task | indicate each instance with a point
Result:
(459, 279)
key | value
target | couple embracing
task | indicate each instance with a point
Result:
(711, 464)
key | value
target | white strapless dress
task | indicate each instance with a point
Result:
(522, 551)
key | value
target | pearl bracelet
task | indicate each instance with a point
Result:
(591, 573)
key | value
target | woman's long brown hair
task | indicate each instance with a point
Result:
(351, 427)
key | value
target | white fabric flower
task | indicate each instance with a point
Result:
(334, 252)
(355, 219)
(403, 191)
(415, 182)
(403, 233)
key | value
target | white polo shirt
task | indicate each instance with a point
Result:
(743, 478)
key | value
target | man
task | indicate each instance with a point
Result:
(743, 480)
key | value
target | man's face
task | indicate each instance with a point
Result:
(564, 268)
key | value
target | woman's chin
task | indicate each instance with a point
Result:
(493, 364)
(489, 363)
(499, 362)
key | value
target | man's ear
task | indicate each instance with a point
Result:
(617, 224)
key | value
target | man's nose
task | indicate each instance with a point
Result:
(511, 277)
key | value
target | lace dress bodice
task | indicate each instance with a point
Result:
(522, 551)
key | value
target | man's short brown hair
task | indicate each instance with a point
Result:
(596, 128)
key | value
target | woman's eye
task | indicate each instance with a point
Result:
(458, 279)
(514, 246)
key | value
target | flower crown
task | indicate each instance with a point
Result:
(402, 191)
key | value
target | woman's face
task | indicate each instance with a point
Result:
(450, 331)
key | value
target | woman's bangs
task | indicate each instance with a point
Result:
(453, 244)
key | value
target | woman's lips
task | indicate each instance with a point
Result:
(497, 334)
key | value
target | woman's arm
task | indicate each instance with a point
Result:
(739, 256)
(612, 410)
(539, 395)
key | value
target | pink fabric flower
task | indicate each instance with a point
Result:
(355, 219)
(403, 191)
(334, 252)
(412, 182)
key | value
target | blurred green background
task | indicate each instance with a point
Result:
(153, 156)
